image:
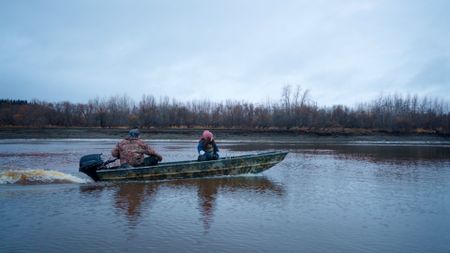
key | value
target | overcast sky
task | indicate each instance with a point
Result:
(343, 51)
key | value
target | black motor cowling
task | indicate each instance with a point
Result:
(89, 164)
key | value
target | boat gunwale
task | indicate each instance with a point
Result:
(177, 173)
(170, 164)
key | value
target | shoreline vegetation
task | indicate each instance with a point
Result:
(295, 113)
(221, 133)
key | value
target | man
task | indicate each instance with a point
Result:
(131, 150)
(207, 147)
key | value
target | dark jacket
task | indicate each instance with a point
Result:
(207, 146)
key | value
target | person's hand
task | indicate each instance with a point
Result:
(201, 152)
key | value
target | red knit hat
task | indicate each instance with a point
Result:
(207, 135)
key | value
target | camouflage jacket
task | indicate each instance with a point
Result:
(132, 150)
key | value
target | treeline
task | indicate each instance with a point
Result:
(13, 102)
(295, 109)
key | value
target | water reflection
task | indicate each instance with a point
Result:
(207, 194)
(373, 152)
(134, 198)
(410, 154)
(208, 190)
(130, 197)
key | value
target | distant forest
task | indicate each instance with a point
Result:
(294, 110)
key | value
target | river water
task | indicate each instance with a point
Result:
(328, 197)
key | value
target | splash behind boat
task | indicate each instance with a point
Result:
(98, 170)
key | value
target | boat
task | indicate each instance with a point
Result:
(99, 170)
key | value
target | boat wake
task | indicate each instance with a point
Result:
(38, 176)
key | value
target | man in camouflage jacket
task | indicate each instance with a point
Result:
(131, 150)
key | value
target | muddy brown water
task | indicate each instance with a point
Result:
(328, 197)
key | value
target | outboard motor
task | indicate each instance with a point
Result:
(89, 164)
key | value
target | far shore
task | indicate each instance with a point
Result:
(229, 134)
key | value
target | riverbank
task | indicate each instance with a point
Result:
(229, 134)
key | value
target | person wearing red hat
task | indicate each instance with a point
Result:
(207, 147)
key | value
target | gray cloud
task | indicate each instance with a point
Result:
(342, 51)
